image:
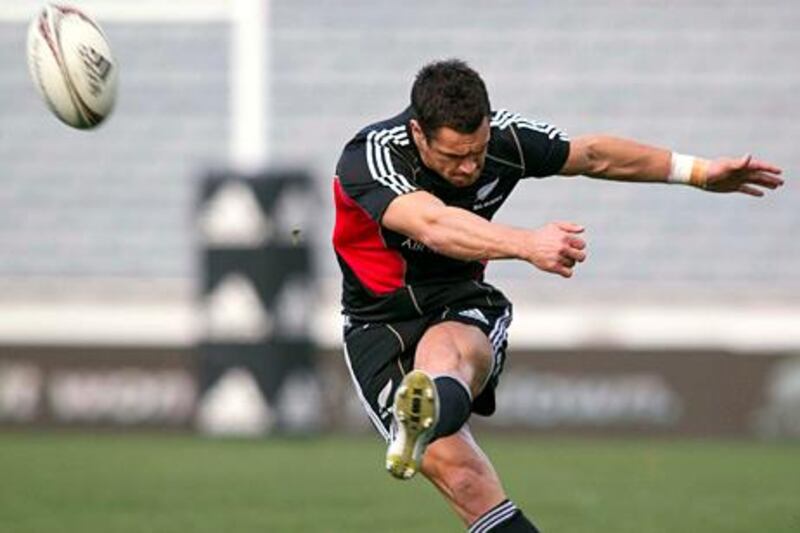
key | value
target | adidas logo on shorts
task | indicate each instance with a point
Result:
(475, 314)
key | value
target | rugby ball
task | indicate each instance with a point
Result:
(72, 66)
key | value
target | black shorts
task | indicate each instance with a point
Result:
(378, 355)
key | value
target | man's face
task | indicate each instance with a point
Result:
(457, 157)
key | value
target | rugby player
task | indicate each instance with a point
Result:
(424, 334)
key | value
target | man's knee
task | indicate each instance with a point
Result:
(456, 349)
(440, 358)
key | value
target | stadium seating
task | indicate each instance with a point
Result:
(708, 78)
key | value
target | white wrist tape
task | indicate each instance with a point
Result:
(688, 170)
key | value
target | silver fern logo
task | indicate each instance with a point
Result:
(484, 191)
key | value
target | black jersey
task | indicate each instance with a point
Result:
(389, 276)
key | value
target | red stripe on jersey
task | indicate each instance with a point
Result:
(357, 240)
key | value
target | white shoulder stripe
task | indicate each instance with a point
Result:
(499, 116)
(502, 119)
(379, 161)
(551, 131)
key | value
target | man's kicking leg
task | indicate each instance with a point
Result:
(436, 408)
(451, 364)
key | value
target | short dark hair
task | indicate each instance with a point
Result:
(449, 93)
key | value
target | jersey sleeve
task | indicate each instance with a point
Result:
(543, 148)
(373, 175)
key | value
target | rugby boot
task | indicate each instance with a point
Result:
(415, 412)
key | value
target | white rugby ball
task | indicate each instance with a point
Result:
(72, 66)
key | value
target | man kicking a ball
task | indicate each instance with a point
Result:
(424, 335)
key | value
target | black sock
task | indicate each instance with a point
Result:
(516, 524)
(505, 518)
(455, 405)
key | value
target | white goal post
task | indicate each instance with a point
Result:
(52, 314)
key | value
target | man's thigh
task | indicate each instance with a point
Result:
(379, 355)
(493, 320)
(456, 349)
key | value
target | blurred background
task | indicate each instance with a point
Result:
(170, 276)
(172, 269)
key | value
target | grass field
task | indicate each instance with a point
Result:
(120, 483)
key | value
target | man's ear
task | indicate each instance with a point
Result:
(419, 135)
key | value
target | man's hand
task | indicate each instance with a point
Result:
(743, 175)
(555, 248)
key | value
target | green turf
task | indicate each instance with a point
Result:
(115, 484)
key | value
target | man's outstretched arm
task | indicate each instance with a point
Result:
(614, 158)
(460, 234)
